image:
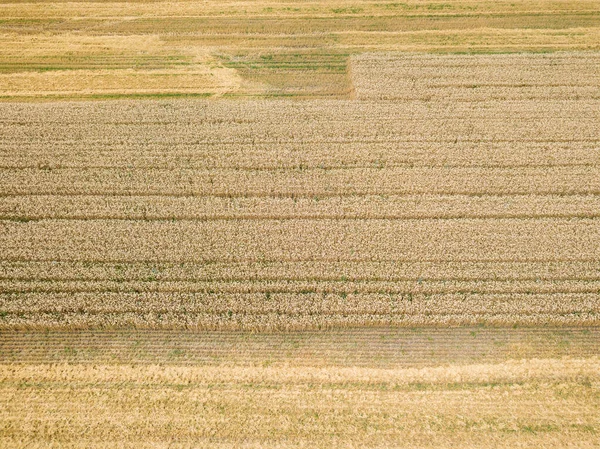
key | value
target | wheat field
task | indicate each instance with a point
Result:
(306, 224)
(466, 196)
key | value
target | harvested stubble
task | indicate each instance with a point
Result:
(58, 49)
(368, 347)
(532, 403)
(398, 207)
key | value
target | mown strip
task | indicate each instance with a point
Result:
(104, 50)
(377, 347)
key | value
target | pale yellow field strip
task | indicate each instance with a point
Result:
(529, 403)
(380, 387)
(479, 181)
(340, 271)
(152, 208)
(457, 240)
(56, 49)
(306, 152)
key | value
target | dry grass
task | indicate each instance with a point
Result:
(256, 48)
(543, 403)
(467, 387)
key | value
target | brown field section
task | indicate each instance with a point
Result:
(467, 195)
(471, 387)
(56, 49)
(375, 347)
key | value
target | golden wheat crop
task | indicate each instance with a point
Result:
(466, 195)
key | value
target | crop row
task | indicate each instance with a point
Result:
(342, 287)
(476, 77)
(325, 304)
(37, 207)
(253, 119)
(580, 180)
(480, 122)
(308, 271)
(292, 240)
(298, 156)
(274, 321)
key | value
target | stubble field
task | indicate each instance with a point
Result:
(267, 48)
(385, 387)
